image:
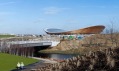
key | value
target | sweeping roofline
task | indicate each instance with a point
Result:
(88, 30)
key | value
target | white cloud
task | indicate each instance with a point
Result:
(115, 6)
(53, 10)
(7, 3)
(39, 20)
(6, 13)
(71, 21)
(93, 6)
(100, 6)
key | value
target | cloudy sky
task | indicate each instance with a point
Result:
(32, 16)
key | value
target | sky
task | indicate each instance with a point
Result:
(32, 16)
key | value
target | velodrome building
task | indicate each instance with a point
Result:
(85, 31)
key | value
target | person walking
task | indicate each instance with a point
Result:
(18, 65)
(22, 65)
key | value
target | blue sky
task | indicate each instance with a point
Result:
(32, 16)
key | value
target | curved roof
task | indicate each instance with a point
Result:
(88, 30)
(53, 30)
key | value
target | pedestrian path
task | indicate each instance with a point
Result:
(30, 66)
(45, 60)
(42, 62)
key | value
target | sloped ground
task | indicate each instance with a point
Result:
(103, 60)
(99, 53)
(95, 42)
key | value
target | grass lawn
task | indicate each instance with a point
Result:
(9, 62)
(6, 36)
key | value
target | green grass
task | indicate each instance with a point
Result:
(6, 36)
(8, 62)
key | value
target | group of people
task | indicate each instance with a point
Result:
(20, 65)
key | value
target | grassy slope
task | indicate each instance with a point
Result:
(8, 62)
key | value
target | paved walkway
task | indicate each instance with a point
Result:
(45, 60)
(42, 62)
